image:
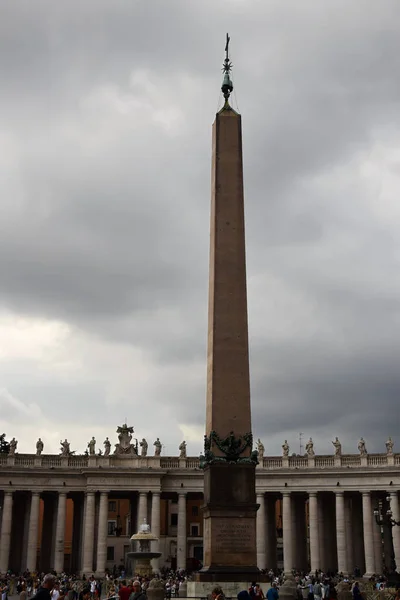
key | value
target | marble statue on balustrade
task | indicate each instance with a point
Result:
(310, 448)
(389, 446)
(285, 449)
(182, 449)
(125, 447)
(361, 447)
(338, 447)
(260, 449)
(39, 447)
(65, 448)
(107, 447)
(13, 447)
(144, 446)
(157, 447)
(92, 447)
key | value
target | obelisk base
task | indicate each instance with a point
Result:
(230, 508)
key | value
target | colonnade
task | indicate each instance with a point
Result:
(342, 531)
(20, 529)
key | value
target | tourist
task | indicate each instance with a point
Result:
(124, 591)
(273, 593)
(217, 593)
(44, 592)
(137, 593)
(85, 593)
(356, 591)
(258, 593)
(317, 591)
(23, 595)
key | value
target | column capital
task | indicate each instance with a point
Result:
(260, 494)
(182, 493)
(312, 494)
(366, 494)
(62, 493)
(8, 493)
(104, 494)
(35, 493)
(156, 493)
(339, 492)
(286, 493)
(143, 493)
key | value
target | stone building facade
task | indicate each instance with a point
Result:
(320, 508)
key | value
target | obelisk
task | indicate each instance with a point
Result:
(229, 462)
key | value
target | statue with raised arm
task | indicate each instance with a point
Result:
(13, 447)
(144, 446)
(389, 446)
(338, 447)
(285, 449)
(182, 449)
(39, 447)
(260, 449)
(157, 447)
(310, 448)
(65, 449)
(92, 446)
(107, 447)
(361, 447)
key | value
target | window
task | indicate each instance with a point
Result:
(174, 519)
(110, 552)
(194, 530)
(195, 511)
(112, 506)
(111, 526)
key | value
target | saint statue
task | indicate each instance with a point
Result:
(107, 447)
(338, 447)
(182, 449)
(144, 446)
(92, 446)
(39, 447)
(285, 449)
(389, 446)
(310, 448)
(260, 449)
(65, 451)
(13, 447)
(361, 447)
(157, 447)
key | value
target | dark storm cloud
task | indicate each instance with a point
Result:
(106, 112)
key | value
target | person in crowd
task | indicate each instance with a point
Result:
(137, 593)
(273, 593)
(44, 592)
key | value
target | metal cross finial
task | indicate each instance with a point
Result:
(227, 85)
(228, 39)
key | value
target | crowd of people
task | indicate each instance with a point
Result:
(317, 586)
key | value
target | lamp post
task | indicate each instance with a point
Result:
(385, 518)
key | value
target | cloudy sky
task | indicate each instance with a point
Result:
(106, 110)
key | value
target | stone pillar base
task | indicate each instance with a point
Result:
(203, 589)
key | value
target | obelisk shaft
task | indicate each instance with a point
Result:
(228, 385)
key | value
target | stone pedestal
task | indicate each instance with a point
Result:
(230, 552)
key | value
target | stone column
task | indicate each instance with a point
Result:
(349, 533)
(33, 531)
(87, 567)
(270, 532)
(142, 508)
(314, 532)
(287, 533)
(321, 532)
(102, 535)
(60, 532)
(394, 505)
(155, 527)
(261, 537)
(368, 536)
(181, 541)
(341, 534)
(6, 523)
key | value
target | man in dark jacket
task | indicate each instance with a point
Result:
(137, 593)
(43, 592)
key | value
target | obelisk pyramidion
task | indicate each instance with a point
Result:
(229, 461)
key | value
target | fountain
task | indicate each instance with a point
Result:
(143, 556)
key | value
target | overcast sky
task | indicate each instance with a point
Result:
(106, 110)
